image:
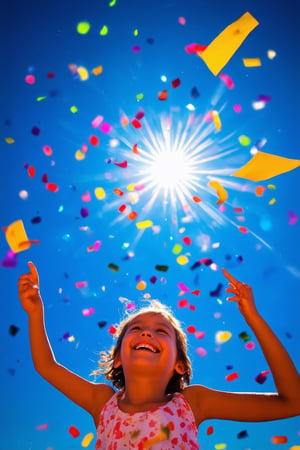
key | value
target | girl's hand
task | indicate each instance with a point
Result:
(242, 294)
(28, 289)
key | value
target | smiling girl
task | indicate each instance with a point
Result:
(151, 404)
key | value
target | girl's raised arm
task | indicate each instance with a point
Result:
(86, 394)
(254, 406)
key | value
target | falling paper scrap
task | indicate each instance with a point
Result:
(221, 49)
(17, 238)
(264, 166)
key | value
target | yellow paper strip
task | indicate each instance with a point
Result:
(251, 62)
(16, 237)
(264, 166)
(220, 50)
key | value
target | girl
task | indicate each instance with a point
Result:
(154, 407)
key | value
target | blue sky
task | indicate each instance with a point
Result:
(145, 41)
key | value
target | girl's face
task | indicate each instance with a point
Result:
(149, 343)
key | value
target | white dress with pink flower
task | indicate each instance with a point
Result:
(170, 426)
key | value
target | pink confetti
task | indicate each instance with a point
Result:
(237, 108)
(86, 197)
(227, 80)
(181, 20)
(47, 150)
(97, 121)
(88, 311)
(44, 426)
(183, 287)
(136, 48)
(105, 128)
(201, 351)
(293, 218)
(30, 79)
(81, 284)
(250, 345)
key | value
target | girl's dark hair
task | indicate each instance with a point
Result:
(116, 375)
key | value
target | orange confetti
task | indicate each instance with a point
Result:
(163, 95)
(118, 192)
(132, 215)
(97, 70)
(263, 166)
(279, 439)
(135, 150)
(222, 193)
(197, 199)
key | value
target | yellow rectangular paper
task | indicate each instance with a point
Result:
(16, 236)
(220, 50)
(251, 62)
(265, 165)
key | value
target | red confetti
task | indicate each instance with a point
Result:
(187, 240)
(176, 83)
(196, 292)
(238, 210)
(122, 164)
(191, 329)
(232, 376)
(122, 208)
(163, 95)
(183, 303)
(243, 229)
(136, 123)
(209, 430)
(279, 439)
(74, 431)
(94, 140)
(112, 329)
(52, 187)
(51, 75)
(194, 48)
(31, 171)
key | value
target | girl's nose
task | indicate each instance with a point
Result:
(146, 333)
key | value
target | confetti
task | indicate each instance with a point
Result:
(17, 238)
(87, 440)
(222, 336)
(144, 224)
(222, 48)
(251, 62)
(264, 166)
(83, 27)
(74, 432)
(279, 439)
(222, 193)
(232, 376)
(227, 80)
